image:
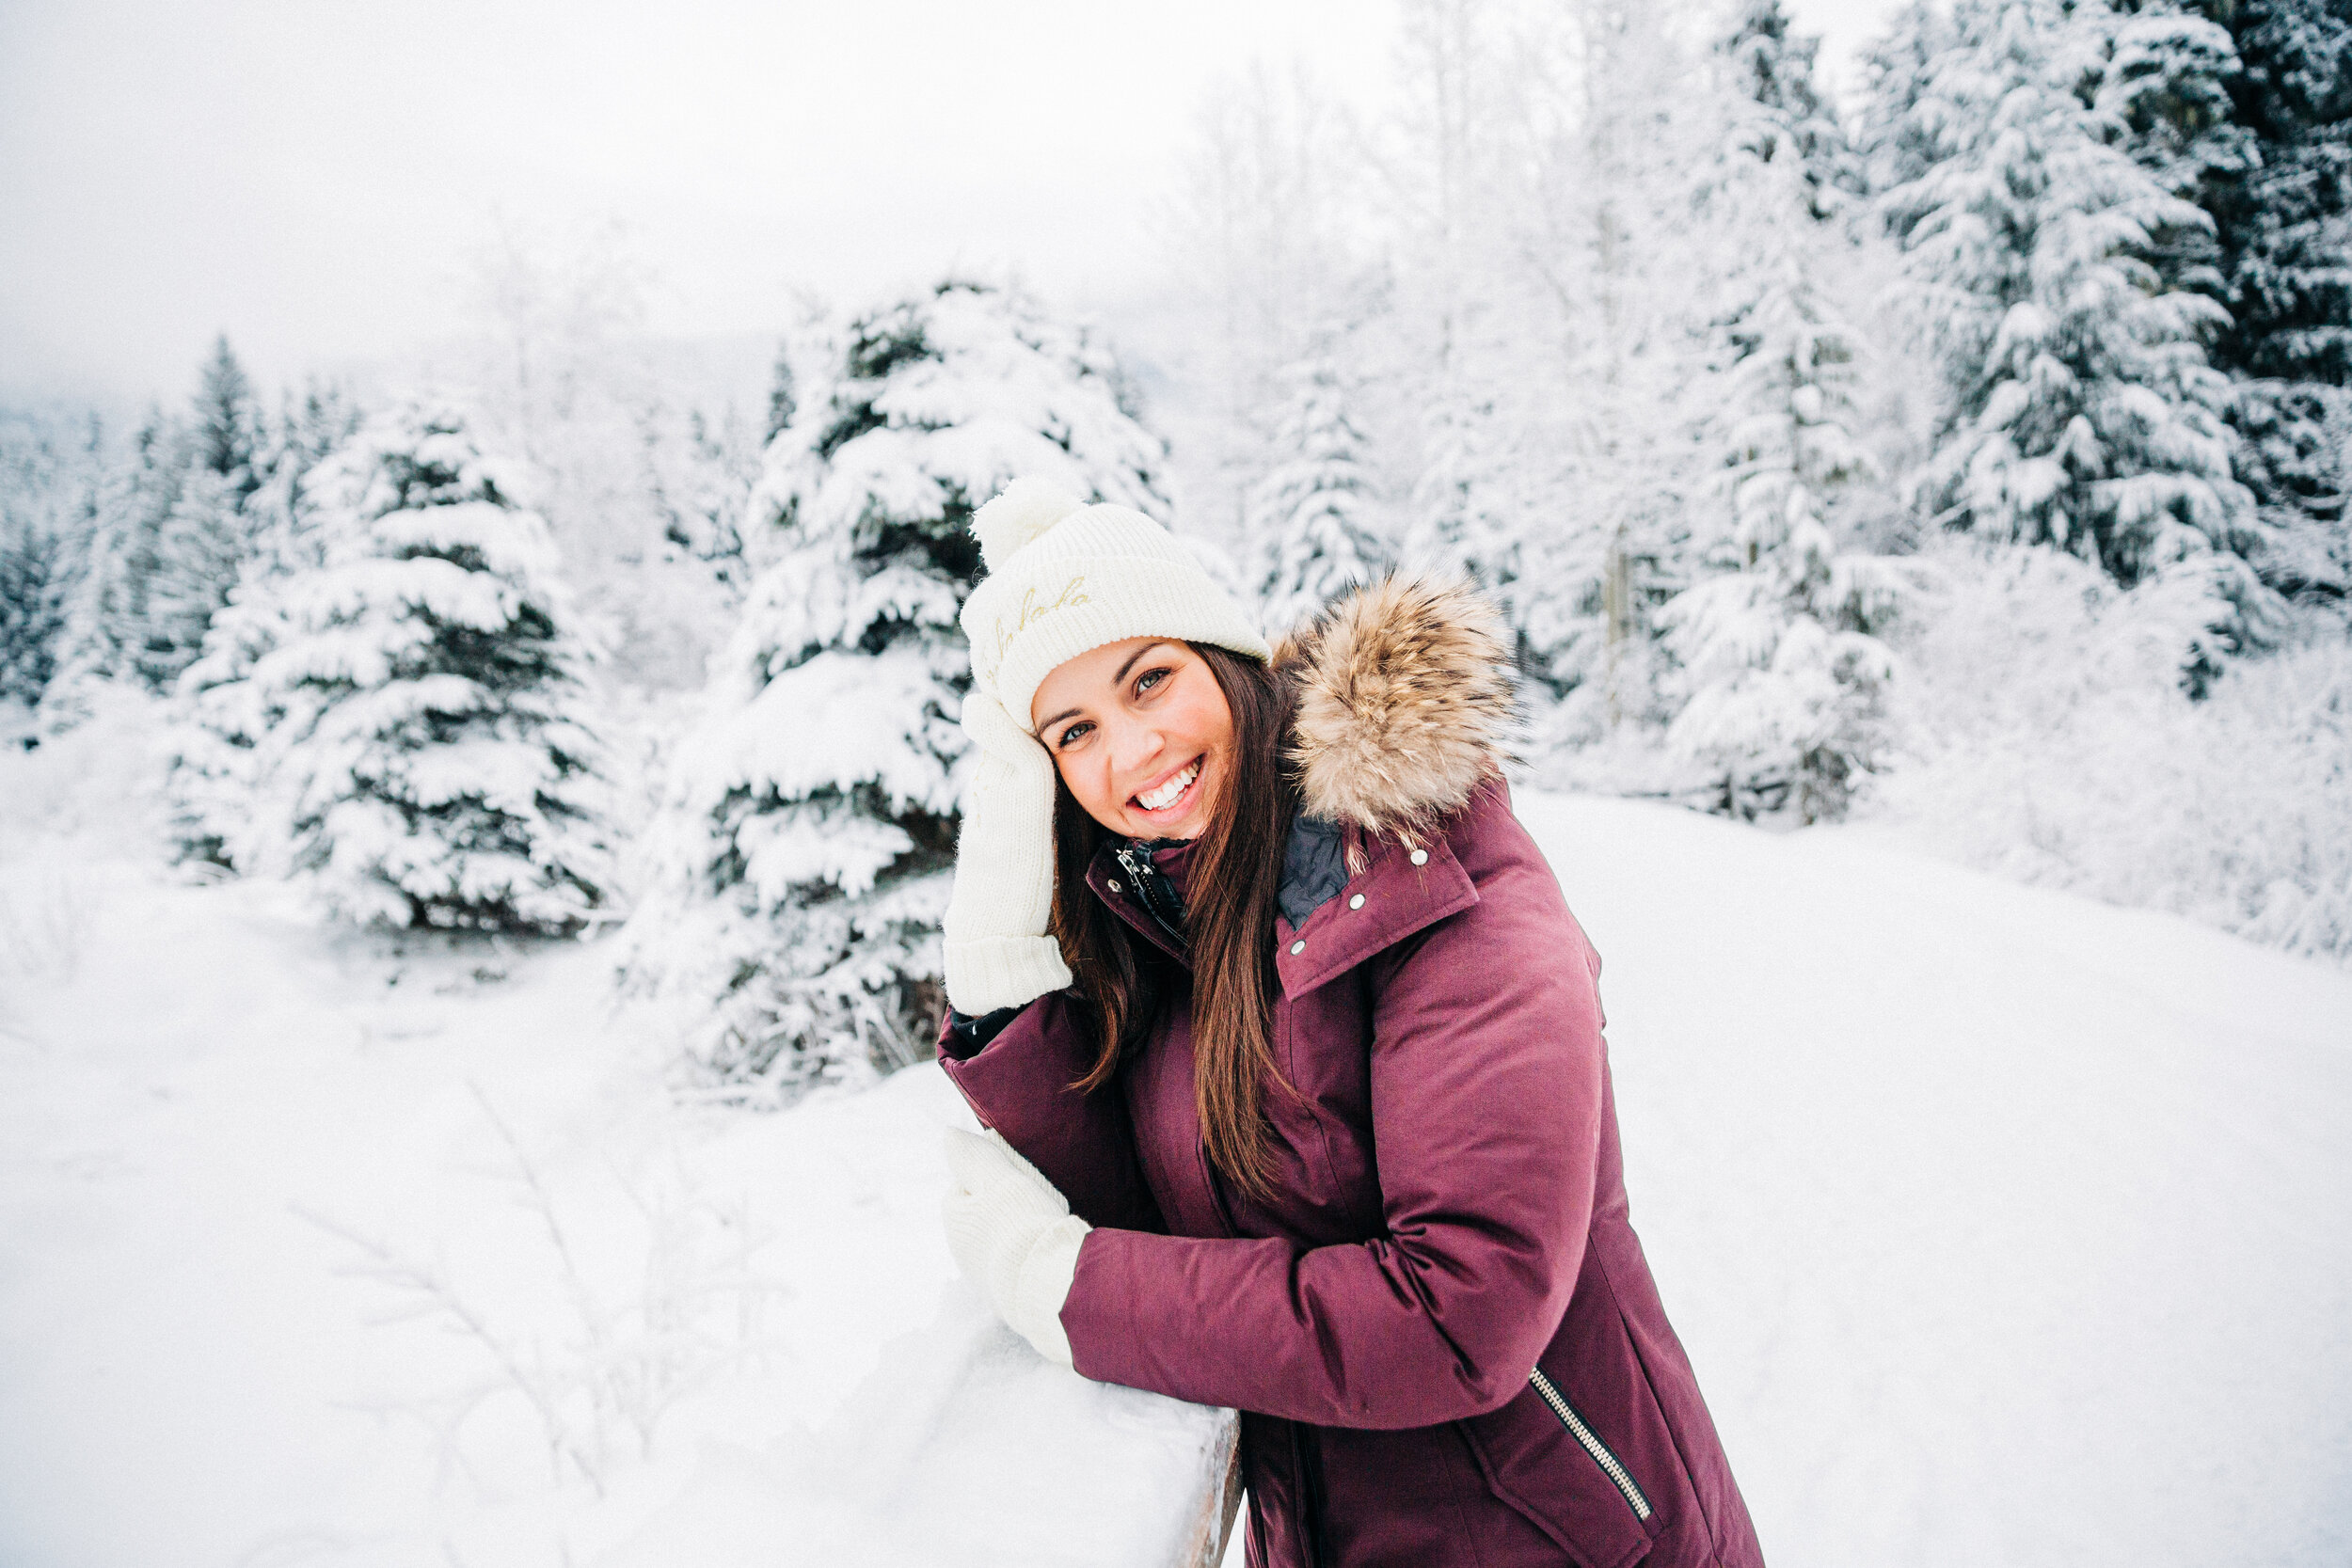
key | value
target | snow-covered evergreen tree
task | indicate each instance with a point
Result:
(1780, 116)
(800, 862)
(1780, 680)
(282, 534)
(418, 749)
(49, 479)
(107, 612)
(2079, 408)
(700, 488)
(2285, 214)
(203, 541)
(32, 607)
(1610, 382)
(227, 434)
(214, 781)
(783, 392)
(2245, 107)
(1461, 513)
(1897, 144)
(200, 553)
(1309, 520)
(222, 751)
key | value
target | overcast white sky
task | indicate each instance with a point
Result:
(311, 176)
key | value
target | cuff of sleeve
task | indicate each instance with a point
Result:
(962, 1036)
(1003, 972)
(1044, 1284)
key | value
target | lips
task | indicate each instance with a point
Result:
(1170, 790)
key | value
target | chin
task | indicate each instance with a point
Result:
(1195, 823)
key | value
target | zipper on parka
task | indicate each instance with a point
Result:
(1590, 1442)
(1153, 889)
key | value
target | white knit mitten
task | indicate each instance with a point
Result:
(1014, 1235)
(998, 951)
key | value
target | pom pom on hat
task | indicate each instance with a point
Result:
(1021, 512)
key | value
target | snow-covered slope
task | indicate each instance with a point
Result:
(2002, 1226)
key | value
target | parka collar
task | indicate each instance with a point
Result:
(1399, 891)
(1108, 881)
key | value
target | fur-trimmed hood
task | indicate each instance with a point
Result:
(1404, 704)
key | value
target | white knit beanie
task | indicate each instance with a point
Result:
(1063, 578)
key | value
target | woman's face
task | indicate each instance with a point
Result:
(1141, 733)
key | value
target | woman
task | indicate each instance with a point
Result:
(1291, 1056)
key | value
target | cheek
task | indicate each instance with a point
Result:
(1210, 722)
(1087, 780)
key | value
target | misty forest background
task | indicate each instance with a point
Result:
(1970, 461)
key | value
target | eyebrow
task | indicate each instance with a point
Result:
(1120, 679)
(1116, 681)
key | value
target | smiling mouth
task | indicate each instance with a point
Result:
(1178, 786)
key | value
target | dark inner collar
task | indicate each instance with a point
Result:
(1171, 857)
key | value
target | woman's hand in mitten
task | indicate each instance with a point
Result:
(1012, 1235)
(998, 954)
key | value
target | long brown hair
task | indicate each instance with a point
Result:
(1229, 891)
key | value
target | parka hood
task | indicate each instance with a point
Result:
(1404, 704)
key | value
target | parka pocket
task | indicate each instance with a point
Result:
(1590, 1442)
(1546, 1457)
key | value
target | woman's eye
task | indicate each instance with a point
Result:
(1149, 679)
(1074, 733)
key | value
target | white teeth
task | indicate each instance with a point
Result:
(1167, 793)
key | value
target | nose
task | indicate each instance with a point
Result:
(1137, 747)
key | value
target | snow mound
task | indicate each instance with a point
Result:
(963, 1447)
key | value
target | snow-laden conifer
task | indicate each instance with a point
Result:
(2283, 205)
(226, 433)
(1779, 115)
(32, 607)
(413, 707)
(283, 530)
(217, 785)
(205, 532)
(1897, 144)
(1611, 373)
(2247, 110)
(1310, 520)
(1460, 509)
(799, 863)
(1780, 681)
(50, 477)
(107, 619)
(2079, 410)
(200, 553)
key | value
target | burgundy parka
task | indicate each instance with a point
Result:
(1441, 1331)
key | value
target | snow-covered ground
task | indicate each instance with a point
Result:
(2003, 1228)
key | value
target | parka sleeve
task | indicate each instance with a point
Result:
(1018, 1082)
(1487, 1096)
